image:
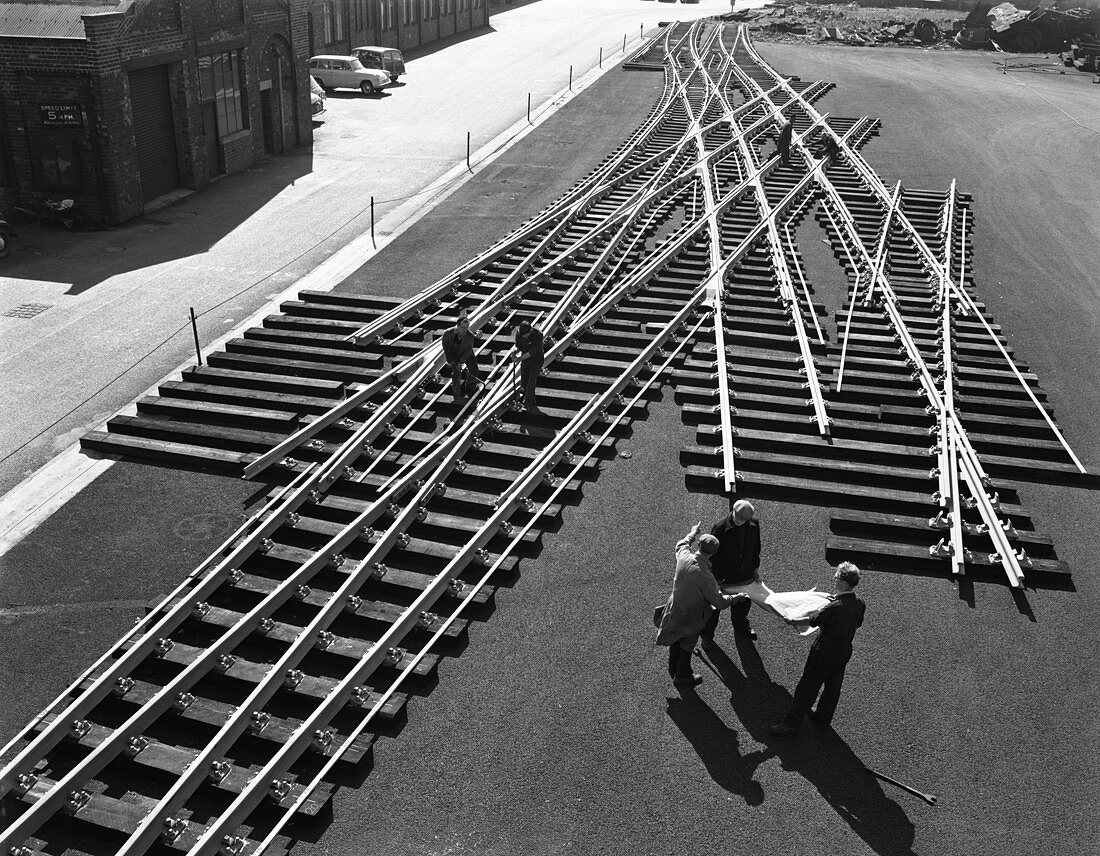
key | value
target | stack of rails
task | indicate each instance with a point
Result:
(392, 514)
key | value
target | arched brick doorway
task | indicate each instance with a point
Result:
(278, 101)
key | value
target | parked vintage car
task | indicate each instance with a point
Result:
(316, 97)
(388, 60)
(333, 72)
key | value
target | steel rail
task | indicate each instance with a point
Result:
(875, 184)
(783, 275)
(169, 694)
(450, 452)
(403, 432)
(95, 761)
(943, 298)
(527, 230)
(953, 433)
(235, 726)
(971, 466)
(143, 647)
(873, 276)
(151, 622)
(802, 281)
(949, 447)
(439, 464)
(364, 395)
(705, 178)
(474, 589)
(281, 760)
(428, 357)
(729, 452)
(679, 239)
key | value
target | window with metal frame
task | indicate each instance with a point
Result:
(220, 82)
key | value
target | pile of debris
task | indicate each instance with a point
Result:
(848, 23)
(1007, 28)
(1003, 27)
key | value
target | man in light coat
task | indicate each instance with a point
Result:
(694, 597)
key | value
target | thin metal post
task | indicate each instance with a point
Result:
(570, 78)
(601, 56)
(372, 241)
(470, 168)
(528, 108)
(195, 333)
(624, 42)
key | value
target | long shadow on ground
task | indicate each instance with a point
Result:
(817, 754)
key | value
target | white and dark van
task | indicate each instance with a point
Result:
(346, 72)
(388, 60)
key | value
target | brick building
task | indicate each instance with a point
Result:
(115, 103)
(337, 26)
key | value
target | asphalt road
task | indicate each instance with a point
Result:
(556, 731)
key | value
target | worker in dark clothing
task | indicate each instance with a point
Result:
(783, 141)
(829, 655)
(737, 562)
(529, 355)
(458, 349)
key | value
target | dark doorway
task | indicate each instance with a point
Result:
(210, 132)
(154, 132)
(268, 121)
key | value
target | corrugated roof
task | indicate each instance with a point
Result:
(49, 20)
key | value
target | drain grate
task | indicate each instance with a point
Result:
(27, 310)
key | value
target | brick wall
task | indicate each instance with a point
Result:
(54, 162)
(93, 74)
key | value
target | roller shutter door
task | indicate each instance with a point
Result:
(154, 134)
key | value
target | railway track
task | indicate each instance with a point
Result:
(393, 513)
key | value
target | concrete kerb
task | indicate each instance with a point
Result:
(48, 489)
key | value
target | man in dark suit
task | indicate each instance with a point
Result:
(458, 350)
(783, 140)
(529, 354)
(829, 655)
(737, 562)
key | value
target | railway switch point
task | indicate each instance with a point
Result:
(719, 295)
